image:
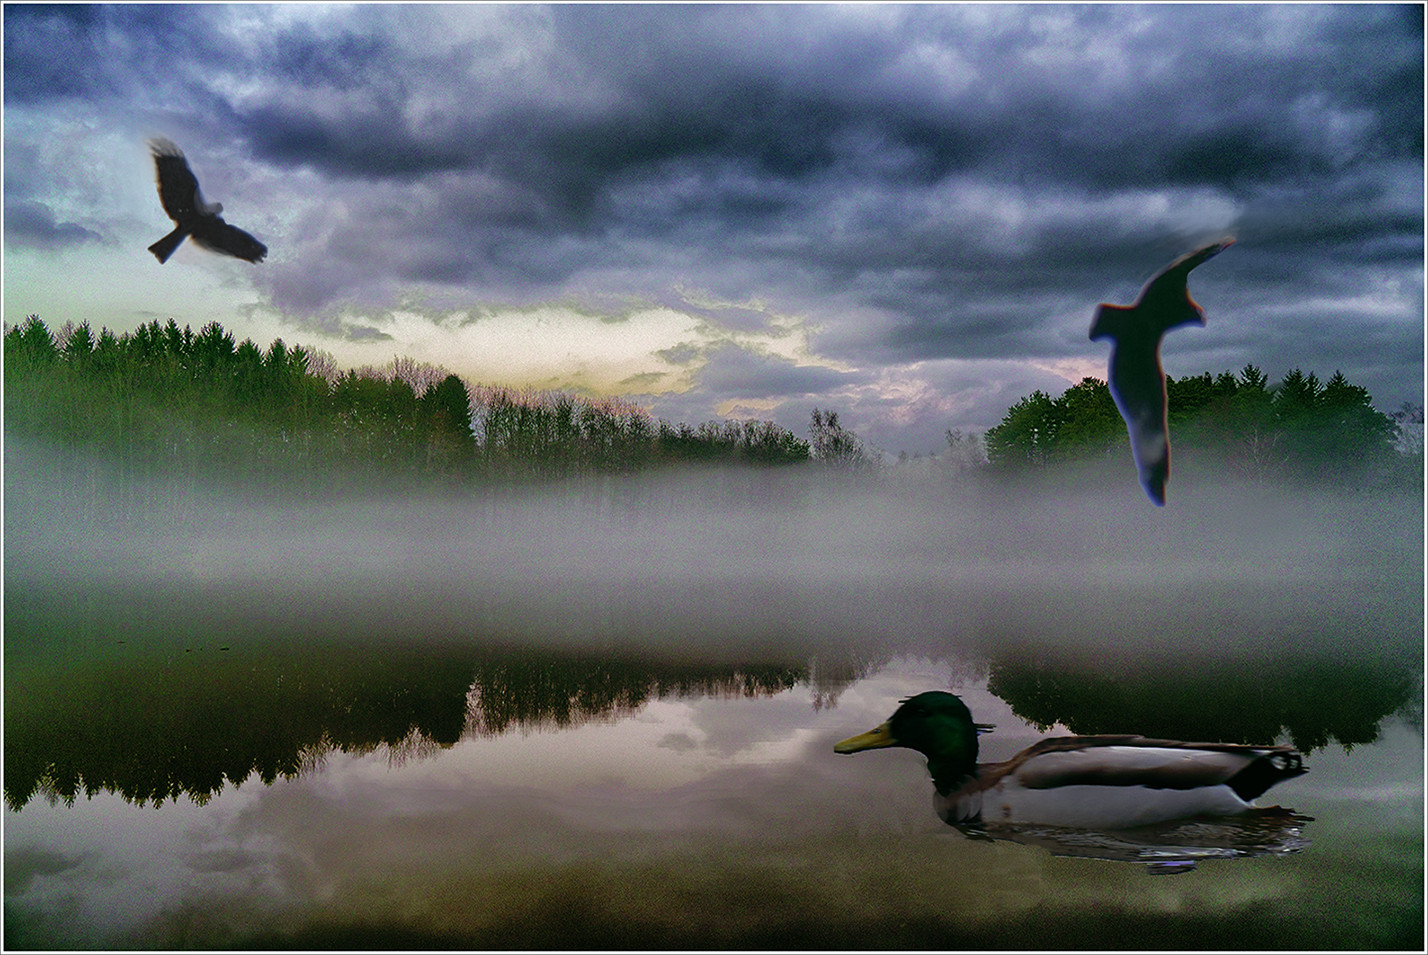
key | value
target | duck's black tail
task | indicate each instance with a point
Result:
(1273, 767)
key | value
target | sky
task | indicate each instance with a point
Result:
(905, 214)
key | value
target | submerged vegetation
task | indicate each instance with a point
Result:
(166, 401)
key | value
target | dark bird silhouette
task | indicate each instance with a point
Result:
(178, 191)
(1136, 378)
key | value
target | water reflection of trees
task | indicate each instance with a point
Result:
(522, 691)
(1230, 698)
(192, 720)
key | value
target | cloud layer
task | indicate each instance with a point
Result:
(938, 193)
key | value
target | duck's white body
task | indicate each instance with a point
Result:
(1030, 794)
(1113, 782)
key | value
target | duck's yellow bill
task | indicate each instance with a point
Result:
(872, 739)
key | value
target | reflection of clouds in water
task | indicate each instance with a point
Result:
(679, 742)
(619, 813)
(732, 730)
(508, 801)
(23, 865)
(1390, 772)
(132, 863)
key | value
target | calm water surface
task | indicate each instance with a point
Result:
(606, 719)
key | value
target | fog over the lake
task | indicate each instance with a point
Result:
(601, 714)
(713, 563)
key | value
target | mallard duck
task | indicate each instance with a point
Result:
(1136, 378)
(1091, 782)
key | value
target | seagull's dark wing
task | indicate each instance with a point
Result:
(1168, 293)
(214, 234)
(178, 188)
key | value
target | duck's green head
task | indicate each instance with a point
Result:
(936, 724)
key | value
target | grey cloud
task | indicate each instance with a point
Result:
(679, 742)
(920, 181)
(48, 52)
(732, 132)
(25, 863)
(738, 372)
(648, 379)
(30, 223)
(364, 333)
(680, 354)
(144, 56)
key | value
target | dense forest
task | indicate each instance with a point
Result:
(164, 401)
(1300, 430)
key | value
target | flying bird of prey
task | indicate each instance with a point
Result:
(1136, 378)
(178, 191)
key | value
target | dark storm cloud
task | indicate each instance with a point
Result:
(135, 54)
(922, 182)
(47, 52)
(733, 130)
(30, 223)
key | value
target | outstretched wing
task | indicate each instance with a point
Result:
(214, 234)
(1169, 291)
(178, 187)
(179, 193)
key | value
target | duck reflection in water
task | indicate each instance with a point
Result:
(1098, 783)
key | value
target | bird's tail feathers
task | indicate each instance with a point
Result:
(165, 247)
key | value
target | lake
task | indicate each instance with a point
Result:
(603, 716)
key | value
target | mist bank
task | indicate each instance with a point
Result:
(713, 563)
(409, 686)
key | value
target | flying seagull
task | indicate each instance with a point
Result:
(1137, 381)
(178, 191)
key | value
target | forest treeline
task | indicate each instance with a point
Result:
(164, 399)
(1301, 429)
